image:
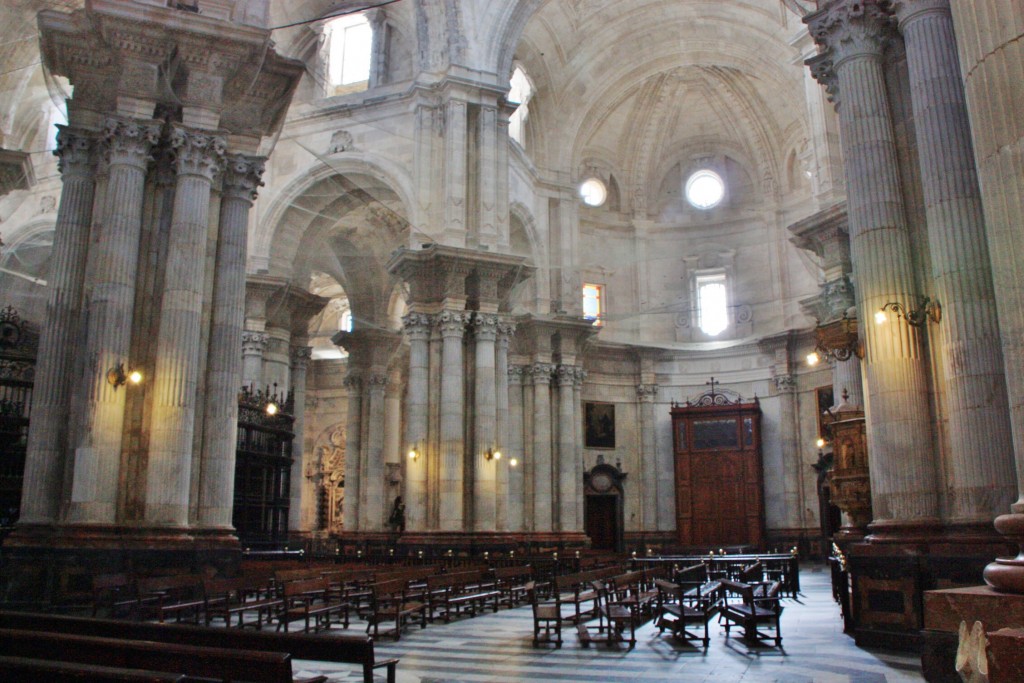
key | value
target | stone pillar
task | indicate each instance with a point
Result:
(989, 39)
(579, 377)
(514, 447)
(485, 412)
(97, 450)
(353, 449)
(254, 344)
(646, 393)
(903, 470)
(543, 498)
(980, 467)
(846, 380)
(505, 332)
(48, 429)
(567, 503)
(199, 157)
(301, 507)
(452, 452)
(224, 365)
(417, 327)
(392, 454)
(372, 486)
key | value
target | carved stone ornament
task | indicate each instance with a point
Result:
(242, 175)
(485, 326)
(823, 71)
(300, 357)
(353, 382)
(254, 343)
(197, 153)
(744, 313)
(566, 375)
(785, 384)
(74, 153)
(130, 143)
(580, 377)
(839, 296)
(541, 372)
(515, 374)
(418, 326)
(452, 323)
(341, 141)
(646, 392)
(377, 381)
(851, 28)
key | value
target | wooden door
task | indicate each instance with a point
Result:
(602, 522)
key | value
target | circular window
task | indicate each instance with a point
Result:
(705, 189)
(593, 192)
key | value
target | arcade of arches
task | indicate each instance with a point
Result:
(810, 210)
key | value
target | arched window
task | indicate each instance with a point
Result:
(712, 303)
(345, 321)
(520, 92)
(350, 44)
(593, 303)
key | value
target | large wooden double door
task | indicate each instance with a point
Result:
(719, 494)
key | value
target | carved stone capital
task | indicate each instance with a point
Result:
(580, 376)
(198, 154)
(377, 380)
(300, 357)
(785, 384)
(540, 373)
(485, 326)
(515, 374)
(566, 375)
(646, 393)
(75, 152)
(452, 324)
(353, 381)
(242, 175)
(254, 343)
(418, 326)
(851, 28)
(130, 143)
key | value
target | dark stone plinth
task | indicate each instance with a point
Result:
(1006, 656)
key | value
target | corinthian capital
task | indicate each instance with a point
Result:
(130, 142)
(515, 374)
(453, 323)
(254, 343)
(646, 393)
(197, 153)
(74, 152)
(851, 28)
(566, 375)
(300, 357)
(541, 373)
(418, 326)
(242, 175)
(485, 326)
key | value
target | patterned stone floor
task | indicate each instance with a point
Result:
(497, 647)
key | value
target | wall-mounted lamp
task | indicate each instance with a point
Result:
(271, 408)
(919, 317)
(414, 455)
(820, 443)
(492, 455)
(117, 377)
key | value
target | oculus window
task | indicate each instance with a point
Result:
(705, 189)
(593, 192)
(712, 304)
(593, 303)
(350, 39)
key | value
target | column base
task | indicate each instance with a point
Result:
(1007, 574)
(50, 568)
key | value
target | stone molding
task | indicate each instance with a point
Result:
(129, 142)
(242, 175)
(196, 153)
(75, 152)
(254, 343)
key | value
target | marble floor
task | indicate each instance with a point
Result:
(497, 647)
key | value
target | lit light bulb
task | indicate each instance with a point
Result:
(813, 358)
(880, 317)
(513, 462)
(497, 455)
(271, 409)
(821, 443)
(135, 377)
(412, 455)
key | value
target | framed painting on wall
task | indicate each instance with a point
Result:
(599, 425)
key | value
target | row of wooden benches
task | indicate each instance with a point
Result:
(43, 647)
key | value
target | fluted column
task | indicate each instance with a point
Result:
(543, 499)
(903, 470)
(505, 332)
(579, 377)
(485, 411)
(353, 449)
(515, 448)
(646, 393)
(48, 429)
(224, 365)
(980, 480)
(846, 380)
(302, 495)
(417, 328)
(452, 452)
(97, 449)
(254, 345)
(372, 487)
(566, 468)
(199, 157)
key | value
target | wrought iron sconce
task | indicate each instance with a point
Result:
(117, 377)
(837, 339)
(492, 455)
(919, 317)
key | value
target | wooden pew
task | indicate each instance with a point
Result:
(230, 598)
(313, 601)
(391, 601)
(512, 583)
(204, 662)
(324, 647)
(27, 670)
(180, 596)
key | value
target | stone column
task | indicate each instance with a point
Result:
(417, 327)
(452, 453)
(485, 411)
(567, 503)
(543, 499)
(989, 39)
(301, 507)
(48, 429)
(903, 470)
(645, 394)
(846, 380)
(254, 344)
(580, 376)
(372, 486)
(199, 157)
(980, 480)
(505, 332)
(515, 449)
(97, 450)
(224, 367)
(353, 449)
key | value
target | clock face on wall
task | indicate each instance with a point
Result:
(601, 482)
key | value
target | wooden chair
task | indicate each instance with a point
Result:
(754, 608)
(679, 607)
(389, 602)
(614, 615)
(547, 618)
